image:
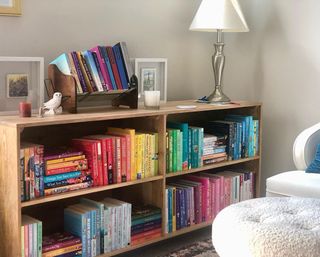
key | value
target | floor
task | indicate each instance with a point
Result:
(167, 246)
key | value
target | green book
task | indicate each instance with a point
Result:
(179, 150)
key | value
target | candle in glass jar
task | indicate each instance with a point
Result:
(152, 99)
(25, 109)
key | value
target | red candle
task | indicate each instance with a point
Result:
(25, 109)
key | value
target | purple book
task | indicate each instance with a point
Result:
(59, 240)
(51, 154)
(79, 72)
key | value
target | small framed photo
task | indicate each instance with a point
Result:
(21, 79)
(10, 7)
(17, 85)
(152, 75)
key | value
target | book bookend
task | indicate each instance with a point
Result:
(66, 84)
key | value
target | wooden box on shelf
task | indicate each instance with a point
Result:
(60, 129)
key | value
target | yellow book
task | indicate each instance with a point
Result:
(66, 159)
(148, 156)
(138, 156)
(64, 250)
(142, 154)
(131, 133)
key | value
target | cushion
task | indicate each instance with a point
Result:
(294, 183)
(314, 166)
(269, 227)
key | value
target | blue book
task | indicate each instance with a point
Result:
(256, 135)
(75, 222)
(200, 152)
(184, 127)
(178, 209)
(99, 221)
(103, 52)
(62, 62)
(169, 201)
(60, 177)
(121, 68)
(93, 69)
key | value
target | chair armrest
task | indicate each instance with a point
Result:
(305, 145)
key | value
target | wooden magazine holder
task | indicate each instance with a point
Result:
(66, 85)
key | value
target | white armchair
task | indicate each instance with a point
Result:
(298, 182)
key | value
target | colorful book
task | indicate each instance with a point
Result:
(104, 54)
(93, 70)
(114, 67)
(121, 68)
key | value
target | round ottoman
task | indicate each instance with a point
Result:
(269, 227)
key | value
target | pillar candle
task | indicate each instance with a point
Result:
(25, 109)
(152, 99)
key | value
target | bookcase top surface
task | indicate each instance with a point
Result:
(113, 113)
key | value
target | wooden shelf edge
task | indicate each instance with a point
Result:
(159, 239)
(212, 166)
(91, 190)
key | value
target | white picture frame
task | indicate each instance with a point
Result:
(33, 69)
(158, 67)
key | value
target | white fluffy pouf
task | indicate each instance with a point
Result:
(269, 227)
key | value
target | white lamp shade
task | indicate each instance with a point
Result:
(225, 15)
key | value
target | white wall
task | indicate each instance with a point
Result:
(151, 28)
(277, 62)
(284, 71)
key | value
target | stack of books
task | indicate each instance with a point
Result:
(65, 171)
(199, 198)
(103, 226)
(61, 245)
(146, 223)
(102, 68)
(214, 149)
(31, 236)
(32, 170)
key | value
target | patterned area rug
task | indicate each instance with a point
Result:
(200, 249)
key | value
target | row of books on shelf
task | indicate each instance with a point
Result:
(199, 198)
(209, 142)
(92, 228)
(119, 156)
(101, 68)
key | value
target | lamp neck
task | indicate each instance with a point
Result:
(219, 36)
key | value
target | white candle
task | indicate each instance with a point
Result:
(152, 99)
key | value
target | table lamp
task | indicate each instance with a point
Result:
(219, 16)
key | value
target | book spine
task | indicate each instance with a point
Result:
(121, 69)
(174, 209)
(64, 189)
(63, 155)
(143, 153)
(104, 159)
(145, 229)
(103, 66)
(170, 134)
(64, 170)
(79, 72)
(128, 155)
(65, 159)
(61, 177)
(87, 71)
(200, 150)
(39, 238)
(93, 70)
(84, 72)
(109, 146)
(68, 249)
(100, 164)
(147, 219)
(124, 160)
(103, 51)
(118, 160)
(167, 211)
(77, 163)
(114, 67)
(59, 245)
(145, 238)
(126, 59)
(170, 210)
(179, 150)
(175, 150)
(74, 73)
(22, 242)
(189, 148)
(99, 69)
(31, 172)
(22, 174)
(68, 182)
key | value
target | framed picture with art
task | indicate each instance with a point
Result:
(10, 7)
(21, 79)
(152, 75)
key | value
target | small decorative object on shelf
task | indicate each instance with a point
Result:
(152, 99)
(24, 109)
(53, 106)
(152, 74)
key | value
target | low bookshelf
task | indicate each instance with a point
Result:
(151, 190)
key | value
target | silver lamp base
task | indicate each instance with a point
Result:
(218, 97)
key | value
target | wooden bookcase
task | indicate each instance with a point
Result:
(59, 130)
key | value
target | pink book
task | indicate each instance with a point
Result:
(103, 67)
(205, 195)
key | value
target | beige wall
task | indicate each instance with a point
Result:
(277, 62)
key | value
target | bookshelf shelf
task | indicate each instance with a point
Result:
(88, 191)
(212, 166)
(61, 128)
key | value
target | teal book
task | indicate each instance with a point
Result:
(62, 62)
(93, 69)
(169, 201)
(179, 150)
(75, 222)
(189, 148)
(99, 221)
(184, 127)
(195, 147)
(251, 139)
(200, 143)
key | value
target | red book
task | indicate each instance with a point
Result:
(146, 234)
(92, 150)
(144, 239)
(114, 67)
